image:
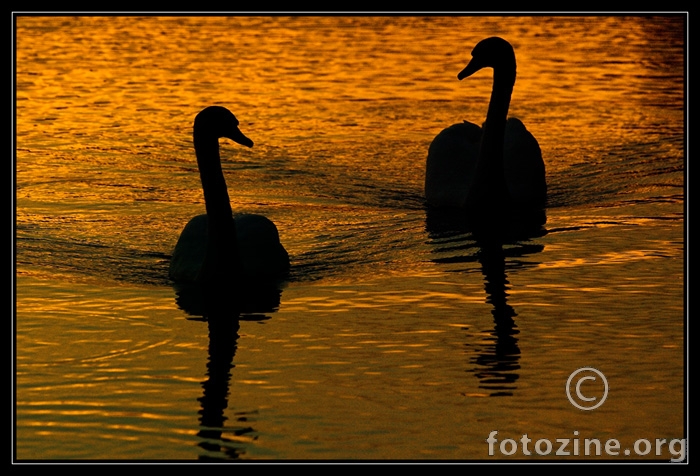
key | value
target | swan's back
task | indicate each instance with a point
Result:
(452, 159)
(257, 240)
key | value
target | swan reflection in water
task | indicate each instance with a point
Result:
(490, 183)
(223, 312)
(456, 240)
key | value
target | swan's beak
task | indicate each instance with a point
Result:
(237, 136)
(470, 69)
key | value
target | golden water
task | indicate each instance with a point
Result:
(393, 339)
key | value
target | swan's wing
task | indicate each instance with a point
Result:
(450, 164)
(523, 165)
(190, 250)
(259, 246)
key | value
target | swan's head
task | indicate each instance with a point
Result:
(220, 122)
(492, 52)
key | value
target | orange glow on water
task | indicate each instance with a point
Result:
(391, 338)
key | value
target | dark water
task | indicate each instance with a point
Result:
(399, 335)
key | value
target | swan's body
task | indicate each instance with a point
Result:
(218, 247)
(495, 167)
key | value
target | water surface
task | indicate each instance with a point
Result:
(399, 335)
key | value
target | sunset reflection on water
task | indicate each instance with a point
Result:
(394, 338)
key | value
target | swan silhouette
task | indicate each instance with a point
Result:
(495, 167)
(218, 247)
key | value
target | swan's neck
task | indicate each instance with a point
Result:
(216, 197)
(488, 192)
(222, 254)
(503, 82)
